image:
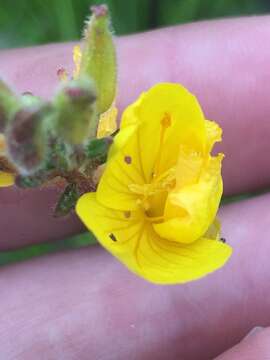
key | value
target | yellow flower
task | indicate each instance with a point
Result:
(107, 122)
(6, 179)
(156, 203)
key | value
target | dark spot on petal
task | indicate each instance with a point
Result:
(112, 236)
(223, 240)
(127, 214)
(128, 160)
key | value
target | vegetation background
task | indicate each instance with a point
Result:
(30, 22)
(33, 22)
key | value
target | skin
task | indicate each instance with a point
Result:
(84, 304)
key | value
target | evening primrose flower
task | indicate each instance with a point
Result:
(155, 206)
(6, 179)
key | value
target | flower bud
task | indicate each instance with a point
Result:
(75, 117)
(8, 105)
(98, 57)
(26, 141)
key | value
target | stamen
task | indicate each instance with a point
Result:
(165, 124)
(77, 56)
(62, 75)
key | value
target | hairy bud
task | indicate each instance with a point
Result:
(26, 141)
(9, 104)
(75, 118)
(98, 57)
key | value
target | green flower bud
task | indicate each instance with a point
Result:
(99, 58)
(9, 104)
(26, 140)
(75, 118)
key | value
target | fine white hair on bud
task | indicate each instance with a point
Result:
(98, 58)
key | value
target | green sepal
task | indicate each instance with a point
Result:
(26, 182)
(98, 149)
(58, 157)
(67, 201)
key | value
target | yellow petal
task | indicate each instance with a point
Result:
(188, 168)
(130, 115)
(213, 134)
(123, 168)
(6, 179)
(213, 232)
(77, 57)
(143, 148)
(107, 122)
(187, 125)
(134, 243)
(190, 210)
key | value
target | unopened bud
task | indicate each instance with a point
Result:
(75, 117)
(9, 104)
(99, 58)
(26, 142)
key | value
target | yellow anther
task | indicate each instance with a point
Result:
(77, 56)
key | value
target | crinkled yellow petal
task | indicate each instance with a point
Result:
(143, 148)
(6, 179)
(187, 124)
(213, 134)
(213, 232)
(134, 242)
(107, 122)
(188, 168)
(190, 210)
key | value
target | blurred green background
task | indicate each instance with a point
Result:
(29, 22)
(32, 22)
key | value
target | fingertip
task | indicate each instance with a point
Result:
(255, 345)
